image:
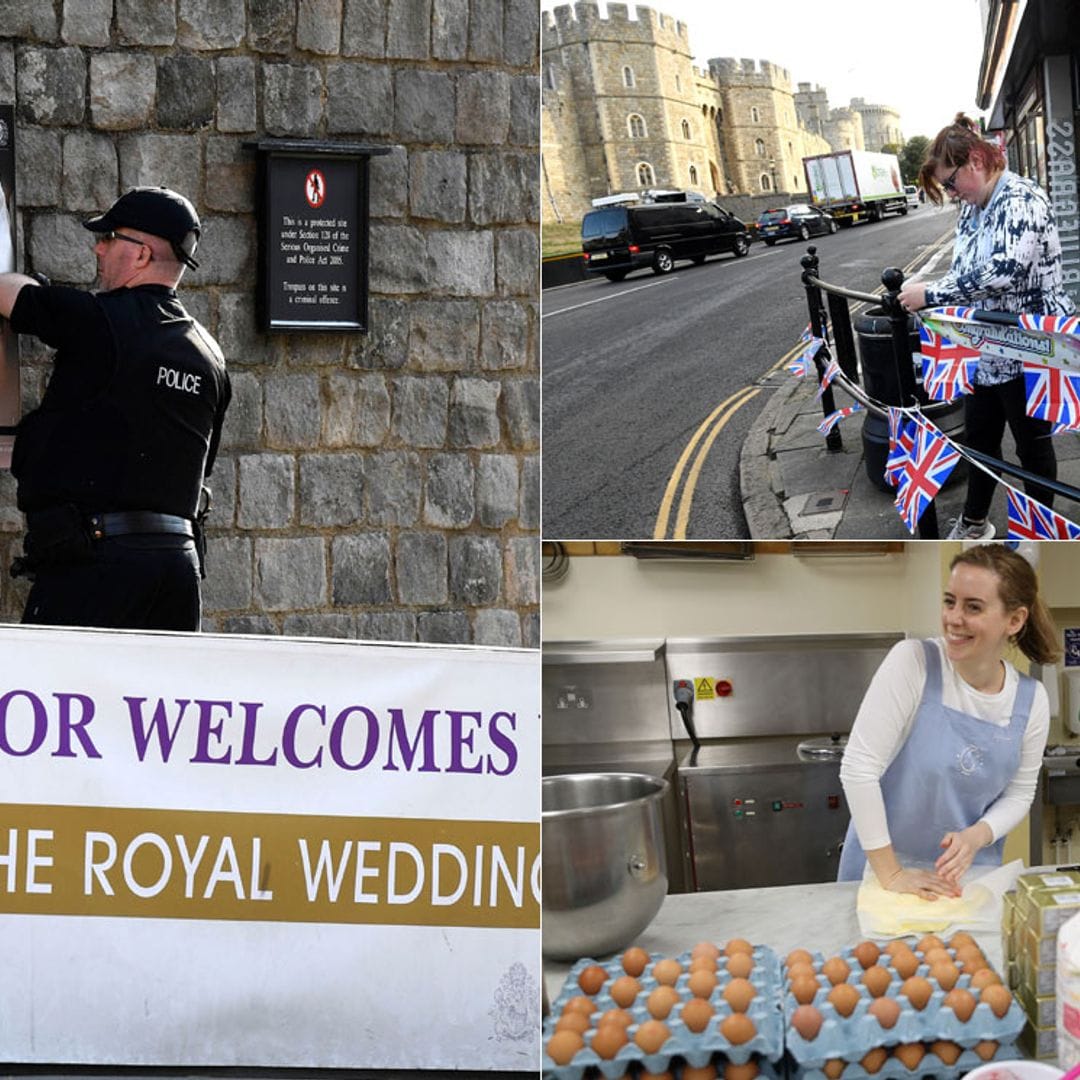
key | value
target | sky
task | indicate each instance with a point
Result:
(919, 56)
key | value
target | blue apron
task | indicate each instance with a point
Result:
(951, 769)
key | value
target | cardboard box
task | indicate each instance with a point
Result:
(1040, 1009)
(1038, 1043)
(1048, 909)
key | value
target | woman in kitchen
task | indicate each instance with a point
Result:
(944, 755)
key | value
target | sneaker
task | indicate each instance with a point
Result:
(961, 530)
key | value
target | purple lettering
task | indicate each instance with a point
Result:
(208, 730)
(247, 751)
(70, 726)
(288, 736)
(40, 723)
(158, 726)
(503, 742)
(400, 737)
(460, 738)
(337, 736)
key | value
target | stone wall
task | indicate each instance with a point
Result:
(375, 486)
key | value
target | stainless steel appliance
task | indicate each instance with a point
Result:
(761, 723)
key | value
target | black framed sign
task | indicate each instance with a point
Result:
(313, 234)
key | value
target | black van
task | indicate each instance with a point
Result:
(618, 239)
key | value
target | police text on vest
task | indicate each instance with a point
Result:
(178, 380)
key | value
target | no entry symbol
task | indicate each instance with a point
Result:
(315, 188)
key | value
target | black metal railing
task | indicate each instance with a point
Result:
(842, 344)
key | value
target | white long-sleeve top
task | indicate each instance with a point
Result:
(884, 722)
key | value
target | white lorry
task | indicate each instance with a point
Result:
(855, 184)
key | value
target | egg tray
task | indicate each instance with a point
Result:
(930, 1066)
(697, 1049)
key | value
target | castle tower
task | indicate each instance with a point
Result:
(881, 124)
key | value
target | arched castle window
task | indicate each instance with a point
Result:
(628, 76)
(645, 175)
(759, 147)
(755, 116)
(693, 176)
(635, 124)
(686, 129)
(678, 81)
(765, 182)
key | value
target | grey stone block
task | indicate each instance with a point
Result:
(524, 114)
(331, 489)
(420, 410)
(357, 411)
(408, 29)
(7, 70)
(483, 108)
(122, 88)
(386, 345)
(197, 305)
(235, 93)
(161, 159)
(62, 249)
(504, 339)
(318, 26)
(52, 85)
(521, 410)
(503, 188)
(486, 30)
(230, 175)
(521, 33)
(28, 18)
(267, 495)
(363, 28)
(320, 626)
(422, 568)
(497, 626)
(444, 628)
(38, 166)
(475, 569)
(517, 262)
(185, 91)
(390, 184)
(496, 489)
(211, 24)
(229, 574)
(242, 428)
(292, 99)
(262, 625)
(523, 570)
(86, 22)
(386, 626)
(237, 335)
(359, 99)
(474, 413)
(91, 172)
(393, 488)
(398, 259)
(310, 350)
(271, 24)
(461, 263)
(450, 29)
(293, 414)
(361, 573)
(290, 572)
(529, 505)
(222, 484)
(145, 22)
(11, 521)
(449, 494)
(226, 250)
(423, 106)
(530, 630)
(437, 185)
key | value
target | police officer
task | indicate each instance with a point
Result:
(111, 464)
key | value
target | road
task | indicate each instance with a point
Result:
(650, 385)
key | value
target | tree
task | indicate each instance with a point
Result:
(912, 157)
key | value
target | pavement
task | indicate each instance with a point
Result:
(795, 488)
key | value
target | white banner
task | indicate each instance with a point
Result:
(231, 851)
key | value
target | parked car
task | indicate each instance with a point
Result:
(616, 240)
(912, 193)
(798, 222)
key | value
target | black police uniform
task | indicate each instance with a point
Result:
(111, 464)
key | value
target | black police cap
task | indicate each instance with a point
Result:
(159, 212)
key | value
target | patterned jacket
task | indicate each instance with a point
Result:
(1006, 257)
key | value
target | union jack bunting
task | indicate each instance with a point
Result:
(808, 333)
(832, 369)
(953, 312)
(1030, 520)
(931, 460)
(1052, 394)
(934, 347)
(834, 418)
(801, 365)
(1051, 324)
(946, 380)
(901, 441)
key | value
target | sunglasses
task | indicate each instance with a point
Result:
(949, 183)
(112, 234)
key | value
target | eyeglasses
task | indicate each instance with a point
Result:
(112, 234)
(949, 183)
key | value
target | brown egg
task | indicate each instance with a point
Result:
(947, 1051)
(609, 1040)
(737, 945)
(876, 979)
(910, 1054)
(928, 942)
(738, 1028)
(867, 953)
(905, 963)
(836, 970)
(624, 990)
(705, 948)
(651, 1035)
(592, 978)
(573, 1021)
(806, 1020)
(740, 1072)
(873, 1061)
(844, 998)
(986, 1049)
(740, 965)
(961, 937)
(702, 963)
(799, 970)
(666, 972)
(983, 978)
(798, 956)
(696, 1014)
(804, 989)
(699, 1072)
(894, 946)
(661, 1001)
(563, 1045)
(738, 994)
(580, 1004)
(945, 974)
(634, 961)
(701, 983)
(834, 1068)
(998, 998)
(886, 1011)
(971, 957)
(615, 1016)
(917, 990)
(962, 1002)
(937, 956)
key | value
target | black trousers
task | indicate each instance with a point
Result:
(986, 412)
(134, 582)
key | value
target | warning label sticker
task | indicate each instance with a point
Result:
(704, 689)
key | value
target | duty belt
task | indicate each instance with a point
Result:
(124, 522)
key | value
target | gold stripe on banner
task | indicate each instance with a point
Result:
(183, 864)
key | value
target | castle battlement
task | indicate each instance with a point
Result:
(573, 24)
(762, 74)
